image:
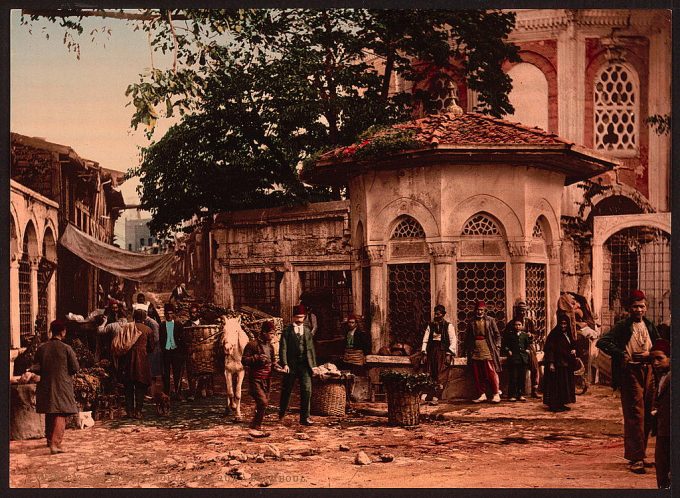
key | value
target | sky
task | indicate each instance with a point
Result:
(81, 103)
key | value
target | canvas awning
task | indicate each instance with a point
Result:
(124, 264)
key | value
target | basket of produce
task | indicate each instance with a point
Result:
(403, 396)
(329, 391)
(203, 346)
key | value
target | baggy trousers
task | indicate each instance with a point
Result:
(304, 375)
(259, 390)
(637, 396)
(485, 373)
(55, 426)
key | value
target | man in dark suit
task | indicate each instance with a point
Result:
(515, 346)
(172, 350)
(297, 358)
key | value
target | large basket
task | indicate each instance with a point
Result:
(328, 397)
(253, 329)
(403, 408)
(203, 348)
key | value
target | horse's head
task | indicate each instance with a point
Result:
(233, 337)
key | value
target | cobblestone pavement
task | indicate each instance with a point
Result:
(457, 445)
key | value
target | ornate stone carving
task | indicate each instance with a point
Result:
(375, 254)
(554, 250)
(519, 247)
(443, 252)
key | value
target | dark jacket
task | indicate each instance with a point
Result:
(178, 333)
(662, 404)
(615, 341)
(361, 340)
(289, 349)
(135, 365)
(57, 363)
(557, 350)
(518, 344)
(493, 341)
(259, 364)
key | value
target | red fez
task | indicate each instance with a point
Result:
(662, 345)
(352, 317)
(637, 295)
(299, 310)
(480, 304)
(267, 326)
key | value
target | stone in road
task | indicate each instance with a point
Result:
(461, 445)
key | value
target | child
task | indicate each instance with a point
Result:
(515, 347)
(258, 356)
(660, 356)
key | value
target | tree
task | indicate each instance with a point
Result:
(261, 90)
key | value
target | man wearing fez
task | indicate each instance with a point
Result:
(482, 344)
(297, 358)
(661, 363)
(628, 343)
(439, 343)
(258, 356)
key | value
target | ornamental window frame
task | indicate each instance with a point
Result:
(476, 219)
(416, 226)
(617, 109)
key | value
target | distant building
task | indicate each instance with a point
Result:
(137, 234)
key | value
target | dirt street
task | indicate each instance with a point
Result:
(457, 445)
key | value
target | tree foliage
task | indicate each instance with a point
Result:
(260, 90)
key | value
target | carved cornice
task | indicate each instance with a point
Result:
(540, 19)
(375, 254)
(443, 252)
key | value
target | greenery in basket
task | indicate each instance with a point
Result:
(412, 383)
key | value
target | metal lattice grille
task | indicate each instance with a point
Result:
(482, 226)
(637, 258)
(616, 109)
(536, 292)
(409, 301)
(43, 274)
(257, 290)
(366, 296)
(333, 302)
(480, 282)
(25, 325)
(408, 228)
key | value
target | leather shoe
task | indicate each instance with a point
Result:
(638, 467)
(55, 449)
(307, 422)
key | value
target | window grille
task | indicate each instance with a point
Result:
(43, 274)
(535, 277)
(480, 282)
(409, 302)
(25, 325)
(616, 109)
(538, 231)
(257, 290)
(337, 286)
(636, 258)
(408, 228)
(481, 225)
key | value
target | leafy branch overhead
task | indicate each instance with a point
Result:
(257, 91)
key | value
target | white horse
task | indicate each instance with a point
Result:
(234, 340)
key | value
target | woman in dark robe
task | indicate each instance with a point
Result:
(559, 357)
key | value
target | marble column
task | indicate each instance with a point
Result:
(444, 292)
(376, 258)
(35, 262)
(554, 281)
(517, 288)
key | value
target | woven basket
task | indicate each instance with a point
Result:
(328, 397)
(203, 348)
(253, 329)
(403, 408)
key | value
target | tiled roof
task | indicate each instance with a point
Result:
(466, 129)
(473, 129)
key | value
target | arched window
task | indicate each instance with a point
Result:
(537, 233)
(482, 226)
(529, 96)
(408, 228)
(616, 110)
